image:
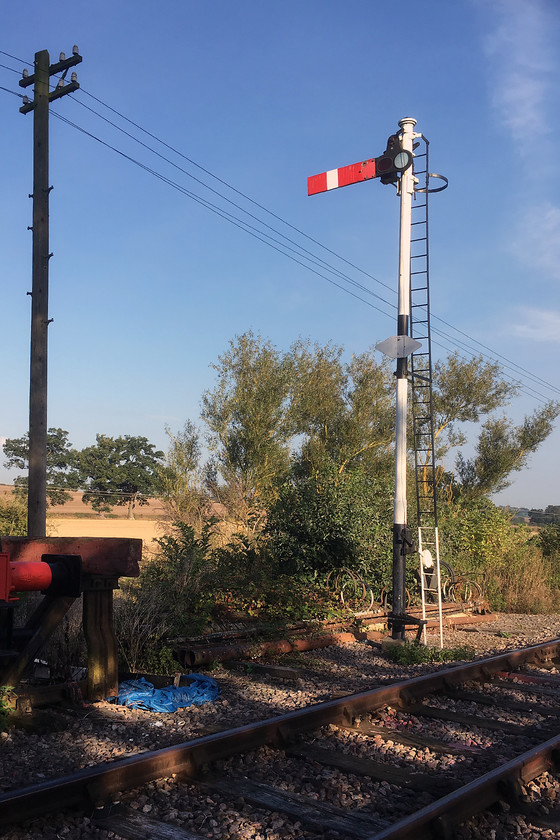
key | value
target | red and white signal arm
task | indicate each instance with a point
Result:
(342, 177)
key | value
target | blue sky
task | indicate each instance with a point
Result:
(147, 286)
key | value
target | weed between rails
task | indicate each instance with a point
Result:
(414, 654)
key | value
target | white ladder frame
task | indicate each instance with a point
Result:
(438, 581)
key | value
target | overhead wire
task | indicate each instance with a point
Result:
(280, 246)
(507, 362)
(260, 235)
(279, 218)
(238, 192)
(316, 258)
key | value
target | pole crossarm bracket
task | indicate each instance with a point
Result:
(61, 66)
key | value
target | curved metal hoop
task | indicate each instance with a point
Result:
(436, 189)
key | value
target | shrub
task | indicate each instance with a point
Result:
(13, 516)
(480, 537)
(415, 654)
(171, 598)
(329, 520)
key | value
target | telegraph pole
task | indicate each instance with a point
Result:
(37, 483)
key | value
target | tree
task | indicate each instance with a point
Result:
(119, 471)
(248, 429)
(180, 480)
(62, 472)
(343, 410)
(502, 449)
(334, 509)
(466, 391)
(268, 404)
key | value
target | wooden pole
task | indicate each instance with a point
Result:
(37, 489)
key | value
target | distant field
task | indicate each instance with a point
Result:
(146, 530)
(78, 520)
(75, 507)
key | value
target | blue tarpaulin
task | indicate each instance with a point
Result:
(141, 694)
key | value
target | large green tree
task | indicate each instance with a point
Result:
(268, 408)
(342, 410)
(470, 393)
(502, 449)
(62, 472)
(119, 471)
(247, 417)
(180, 478)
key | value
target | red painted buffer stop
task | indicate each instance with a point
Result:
(54, 574)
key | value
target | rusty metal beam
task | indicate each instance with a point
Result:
(104, 556)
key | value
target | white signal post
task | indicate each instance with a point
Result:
(401, 540)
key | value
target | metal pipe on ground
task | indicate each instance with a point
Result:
(193, 656)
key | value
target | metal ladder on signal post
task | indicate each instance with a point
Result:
(421, 401)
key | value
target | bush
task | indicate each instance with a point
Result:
(246, 581)
(480, 537)
(415, 654)
(329, 520)
(13, 516)
(169, 599)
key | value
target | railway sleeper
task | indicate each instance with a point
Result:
(131, 825)
(413, 739)
(504, 704)
(318, 815)
(422, 710)
(376, 770)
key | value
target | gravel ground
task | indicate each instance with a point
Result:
(51, 742)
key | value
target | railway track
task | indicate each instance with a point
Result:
(411, 759)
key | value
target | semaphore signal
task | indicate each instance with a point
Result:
(394, 166)
(389, 166)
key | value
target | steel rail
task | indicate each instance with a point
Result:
(434, 820)
(95, 785)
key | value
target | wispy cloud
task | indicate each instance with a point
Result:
(522, 64)
(537, 240)
(538, 325)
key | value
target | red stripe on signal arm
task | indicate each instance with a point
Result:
(317, 183)
(351, 174)
(356, 172)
